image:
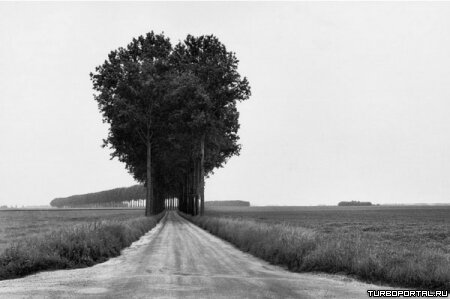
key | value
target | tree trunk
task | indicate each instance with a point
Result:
(149, 204)
(202, 176)
(195, 187)
(190, 201)
(182, 199)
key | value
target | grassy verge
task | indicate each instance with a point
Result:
(305, 250)
(80, 246)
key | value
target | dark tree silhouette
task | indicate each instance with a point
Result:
(216, 121)
(130, 86)
(101, 198)
(172, 113)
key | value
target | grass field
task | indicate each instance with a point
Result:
(398, 245)
(16, 225)
(410, 226)
(65, 239)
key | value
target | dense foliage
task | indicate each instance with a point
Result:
(228, 203)
(117, 195)
(172, 113)
(354, 203)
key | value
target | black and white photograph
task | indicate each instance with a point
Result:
(224, 149)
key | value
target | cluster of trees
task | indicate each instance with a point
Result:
(354, 203)
(228, 203)
(116, 196)
(172, 113)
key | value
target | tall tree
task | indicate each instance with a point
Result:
(207, 59)
(172, 113)
(131, 85)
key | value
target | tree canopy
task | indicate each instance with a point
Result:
(117, 195)
(172, 113)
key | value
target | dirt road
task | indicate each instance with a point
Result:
(179, 260)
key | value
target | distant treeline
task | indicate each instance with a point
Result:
(117, 195)
(355, 203)
(227, 203)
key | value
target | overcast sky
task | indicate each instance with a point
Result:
(351, 101)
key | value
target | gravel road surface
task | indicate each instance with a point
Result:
(179, 260)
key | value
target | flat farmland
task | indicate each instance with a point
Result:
(416, 227)
(16, 225)
(397, 245)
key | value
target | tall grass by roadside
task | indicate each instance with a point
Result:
(16, 225)
(80, 246)
(304, 250)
